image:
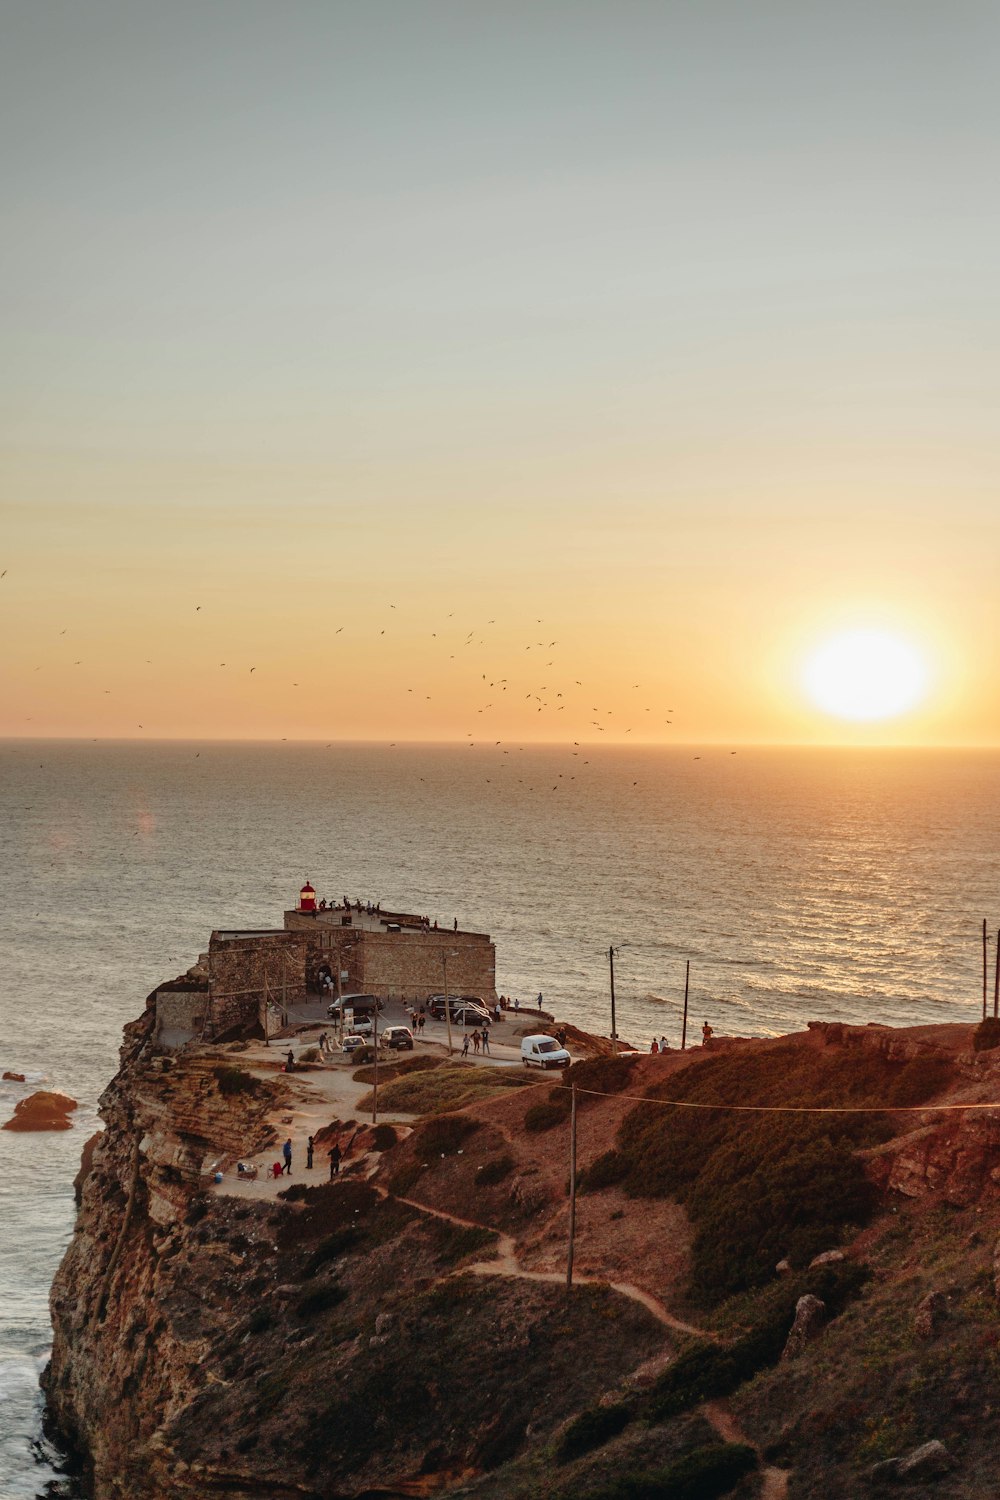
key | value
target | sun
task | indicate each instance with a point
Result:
(865, 674)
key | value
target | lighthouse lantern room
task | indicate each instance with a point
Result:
(307, 898)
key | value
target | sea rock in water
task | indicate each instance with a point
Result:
(44, 1110)
(810, 1314)
(10, 1077)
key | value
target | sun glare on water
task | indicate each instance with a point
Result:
(865, 674)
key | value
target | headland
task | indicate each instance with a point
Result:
(784, 1282)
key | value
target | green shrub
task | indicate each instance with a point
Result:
(759, 1187)
(986, 1035)
(704, 1371)
(321, 1300)
(592, 1429)
(494, 1170)
(703, 1474)
(334, 1245)
(405, 1178)
(709, 1472)
(387, 1071)
(606, 1171)
(455, 1242)
(235, 1080)
(920, 1079)
(383, 1138)
(443, 1135)
(541, 1117)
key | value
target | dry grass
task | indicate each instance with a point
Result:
(452, 1086)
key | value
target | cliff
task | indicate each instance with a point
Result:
(405, 1329)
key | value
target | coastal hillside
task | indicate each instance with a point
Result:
(784, 1279)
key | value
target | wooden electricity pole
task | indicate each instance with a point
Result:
(614, 1030)
(267, 1029)
(996, 980)
(572, 1189)
(375, 1083)
(687, 983)
(984, 968)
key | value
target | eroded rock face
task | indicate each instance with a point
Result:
(315, 1344)
(958, 1159)
(44, 1110)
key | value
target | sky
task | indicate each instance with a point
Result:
(549, 370)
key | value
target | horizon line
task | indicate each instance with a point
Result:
(602, 744)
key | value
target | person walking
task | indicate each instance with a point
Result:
(517, 1005)
(475, 1041)
(310, 1144)
(465, 1045)
(486, 1041)
(655, 1047)
(664, 1044)
(706, 1033)
(286, 1152)
(539, 999)
(334, 1155)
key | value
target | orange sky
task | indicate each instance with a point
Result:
(676, 336)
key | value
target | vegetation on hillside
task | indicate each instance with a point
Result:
(762, 1187)
(433, 1091)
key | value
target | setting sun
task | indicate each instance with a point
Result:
(865, 674)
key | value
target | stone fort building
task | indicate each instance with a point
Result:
(395, 955)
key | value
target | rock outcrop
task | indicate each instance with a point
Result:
(44, 1110)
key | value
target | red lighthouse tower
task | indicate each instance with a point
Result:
(307, 898)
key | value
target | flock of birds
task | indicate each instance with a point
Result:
(558, 694)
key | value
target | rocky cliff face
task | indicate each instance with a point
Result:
(316, 1344)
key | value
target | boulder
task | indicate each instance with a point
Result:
(929, 1461)
(828, 1258)
(44, 1110)
(10, 1077)
(783, 1267)
(810, 1314)
(927, 1318)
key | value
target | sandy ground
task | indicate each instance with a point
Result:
(324, 1092)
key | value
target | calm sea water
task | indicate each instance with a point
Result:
(847, 885)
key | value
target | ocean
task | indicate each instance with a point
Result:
(835, 884)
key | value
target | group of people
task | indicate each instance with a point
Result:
(280, 1168)
(660, 1044)
(480, 1042)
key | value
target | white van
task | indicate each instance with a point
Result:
(544, 1052)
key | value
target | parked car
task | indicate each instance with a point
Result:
(455, 1003)
(544, 1052)
(362, 1025)
(469, 1015)
(360, 1004)
(398, 1038)
(354, 1046)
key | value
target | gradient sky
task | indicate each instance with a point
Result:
(673, 326)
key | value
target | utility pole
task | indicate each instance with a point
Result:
(611, 965)
(572, 1189)
(996, 981)
(267, 1029)
(687, 982)
(984, 968)
(447, 1002)
(375, 1083)
(284, 990)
